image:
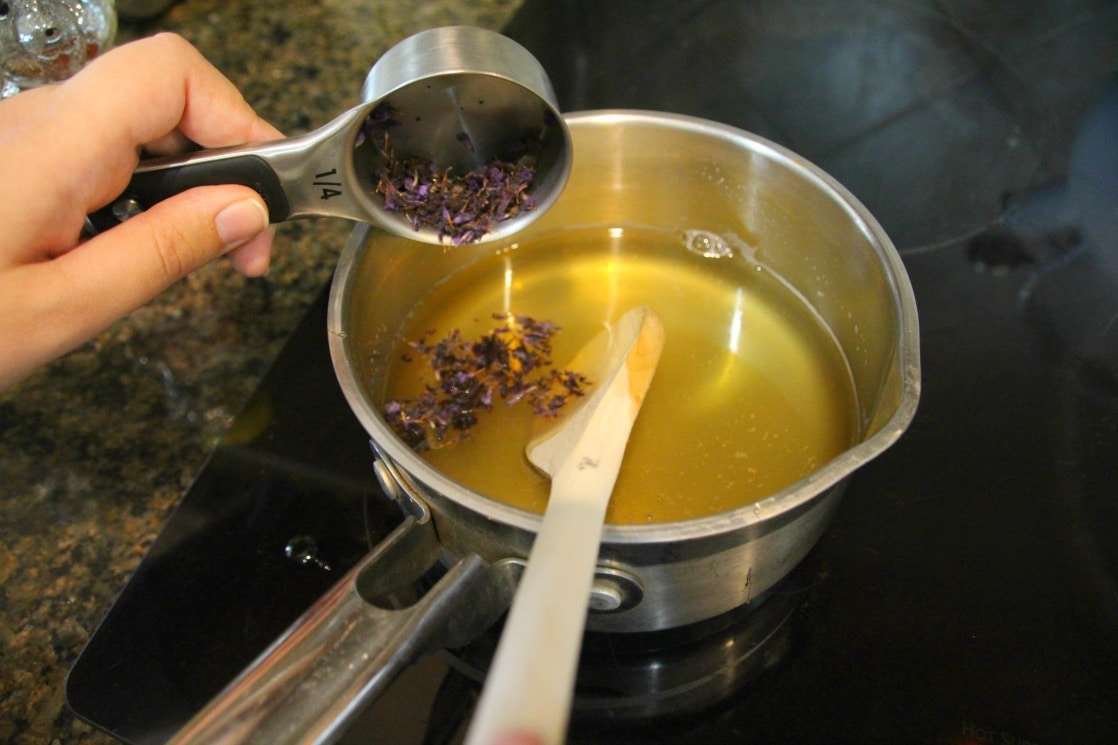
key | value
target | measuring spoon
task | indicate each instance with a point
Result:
(458, 96)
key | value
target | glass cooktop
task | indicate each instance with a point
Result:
(967, 590)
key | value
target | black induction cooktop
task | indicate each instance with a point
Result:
(967, 591)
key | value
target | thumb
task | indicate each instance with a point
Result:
(82, 292)
(123, 268)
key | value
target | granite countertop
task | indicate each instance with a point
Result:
(97, 449)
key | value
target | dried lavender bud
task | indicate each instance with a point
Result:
(512, 362)
(462, 208)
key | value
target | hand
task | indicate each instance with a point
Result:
(67, 150)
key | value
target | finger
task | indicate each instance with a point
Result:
(116, 272)
(169, 144)
(56, 305)
(183, 91)
(252, 258)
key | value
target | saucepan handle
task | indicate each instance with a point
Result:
(347, 648)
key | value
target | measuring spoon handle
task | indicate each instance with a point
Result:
(152, 183)
(312, 174)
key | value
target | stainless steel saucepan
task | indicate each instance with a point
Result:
(630, 169)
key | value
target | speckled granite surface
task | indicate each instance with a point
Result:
(96, 450)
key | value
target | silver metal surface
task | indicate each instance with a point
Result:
(463, 95)
(675, 173)
(306, 166)
(349, 647)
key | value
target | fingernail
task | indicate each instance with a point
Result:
(241, 221)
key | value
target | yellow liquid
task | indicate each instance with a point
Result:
(751, 393)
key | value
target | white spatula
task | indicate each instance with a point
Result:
(530, 684)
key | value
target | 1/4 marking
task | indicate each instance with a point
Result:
(327, 192)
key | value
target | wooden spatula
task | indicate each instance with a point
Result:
(530, 684)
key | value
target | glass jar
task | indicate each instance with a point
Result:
(45, 41)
